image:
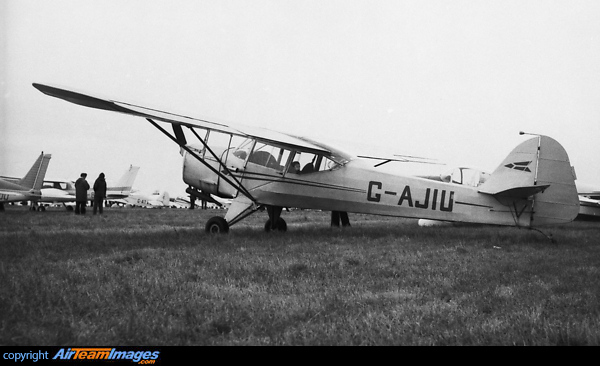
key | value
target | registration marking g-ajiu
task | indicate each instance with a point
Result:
(429, 201)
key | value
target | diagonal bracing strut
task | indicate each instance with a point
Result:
(236, 183)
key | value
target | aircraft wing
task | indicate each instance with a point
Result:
(400, 158)
(259, 134)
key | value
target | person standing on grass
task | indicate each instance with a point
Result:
(81, 188)
(99, 193)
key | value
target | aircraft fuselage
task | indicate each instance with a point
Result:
(357, 187)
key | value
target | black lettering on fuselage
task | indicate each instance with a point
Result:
(406, 196)
(426, 203)
(450, 202)
(373, 197)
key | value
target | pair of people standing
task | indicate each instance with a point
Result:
(81, 188)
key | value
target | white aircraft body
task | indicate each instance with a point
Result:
(27, 188)
(257, 168)
(589, 201)
(156, 199)
(56, 191)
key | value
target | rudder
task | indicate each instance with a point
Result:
(536, 176)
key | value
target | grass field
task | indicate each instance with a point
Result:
(153, 277)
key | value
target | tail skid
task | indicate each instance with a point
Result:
(537, 184)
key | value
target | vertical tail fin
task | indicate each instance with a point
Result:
(35, 177)
(126, 182)
(537, 181)
(165, 198)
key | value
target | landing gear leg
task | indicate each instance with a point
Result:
(240, 208)
(336, 216)
(275, 222)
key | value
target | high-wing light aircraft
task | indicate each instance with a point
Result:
(27, 188)
(57, 191)
(257, 168)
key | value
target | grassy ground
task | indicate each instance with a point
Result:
(153, 277)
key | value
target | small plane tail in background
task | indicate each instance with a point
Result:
(34, 179)
(126, 181)
(165, 198)
(537, 174)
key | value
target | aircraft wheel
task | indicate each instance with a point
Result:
(280, 226)
(217, 225)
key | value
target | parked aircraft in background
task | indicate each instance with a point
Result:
(56, 191)
(257, 168)
(181, 202)
(156, 199)
(27, 188)
(216, 203)
(589, 201)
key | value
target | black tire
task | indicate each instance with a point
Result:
(280, 226)
(217, 225)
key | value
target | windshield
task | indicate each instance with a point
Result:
(339, 156)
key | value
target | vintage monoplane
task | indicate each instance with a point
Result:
(258, 168)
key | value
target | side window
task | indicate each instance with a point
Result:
(269, 156)
(305, 163)
(241, 152)
(329, 164)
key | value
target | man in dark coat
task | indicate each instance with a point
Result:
(81, 188)
(99, 193)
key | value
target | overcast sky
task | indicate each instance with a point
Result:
(452, 80)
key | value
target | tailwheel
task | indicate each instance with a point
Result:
(217, 225)
(280, 225)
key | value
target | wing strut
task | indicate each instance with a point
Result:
(227, 171)
(237, 184)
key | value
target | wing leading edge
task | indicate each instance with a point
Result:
(258, 133)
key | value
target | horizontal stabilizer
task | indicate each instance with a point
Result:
(520, 192)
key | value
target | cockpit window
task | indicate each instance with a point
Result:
(243, 150)
(269, 156)
(285, 159)
(306, 163)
